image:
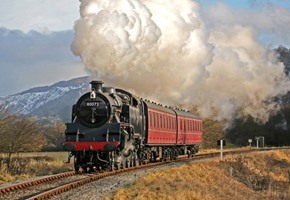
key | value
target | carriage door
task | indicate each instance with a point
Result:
(184, 131)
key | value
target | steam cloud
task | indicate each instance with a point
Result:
(162, 51)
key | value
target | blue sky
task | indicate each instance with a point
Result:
(35, 36)
(248, 4)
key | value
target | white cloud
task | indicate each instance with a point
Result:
(39, 15)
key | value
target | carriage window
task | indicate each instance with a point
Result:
(191, 126)
(174, 124)
(165, 120)
(181, 125)
(199, 126)
(158, 120)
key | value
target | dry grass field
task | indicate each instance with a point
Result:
(28, 165)
(257, 176)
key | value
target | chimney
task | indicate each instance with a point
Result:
(97, 86)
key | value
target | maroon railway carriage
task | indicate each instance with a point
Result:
(112, 128)
(189, 128)
(162, 126)
(171, 130)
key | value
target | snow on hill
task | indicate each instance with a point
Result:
(53, 101)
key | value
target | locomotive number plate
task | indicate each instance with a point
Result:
(93, 104)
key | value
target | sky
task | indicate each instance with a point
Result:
(36, 36)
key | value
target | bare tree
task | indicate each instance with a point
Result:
(19, 134)
(3, 127)
(54, 136)
(212, 131)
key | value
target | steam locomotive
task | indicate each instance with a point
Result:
(112, 129)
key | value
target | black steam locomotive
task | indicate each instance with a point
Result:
(112, 129)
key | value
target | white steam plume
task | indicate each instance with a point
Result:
(162, 50)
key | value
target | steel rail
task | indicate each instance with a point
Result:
(27, 184)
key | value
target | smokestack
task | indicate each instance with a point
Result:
(97, 86)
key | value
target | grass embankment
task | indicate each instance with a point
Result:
(254, 176)
(29, 165)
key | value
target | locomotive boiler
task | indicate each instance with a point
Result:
(112, 128)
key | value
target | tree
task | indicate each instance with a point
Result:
(3, 126)
(54, 135)
(19, 134)
(212, 131)
(284, 56)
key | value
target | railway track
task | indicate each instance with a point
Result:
(47, 187)
(26, 189)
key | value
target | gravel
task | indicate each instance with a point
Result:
(108, 186)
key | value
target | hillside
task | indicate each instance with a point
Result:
(52, 102)
(257, 176)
